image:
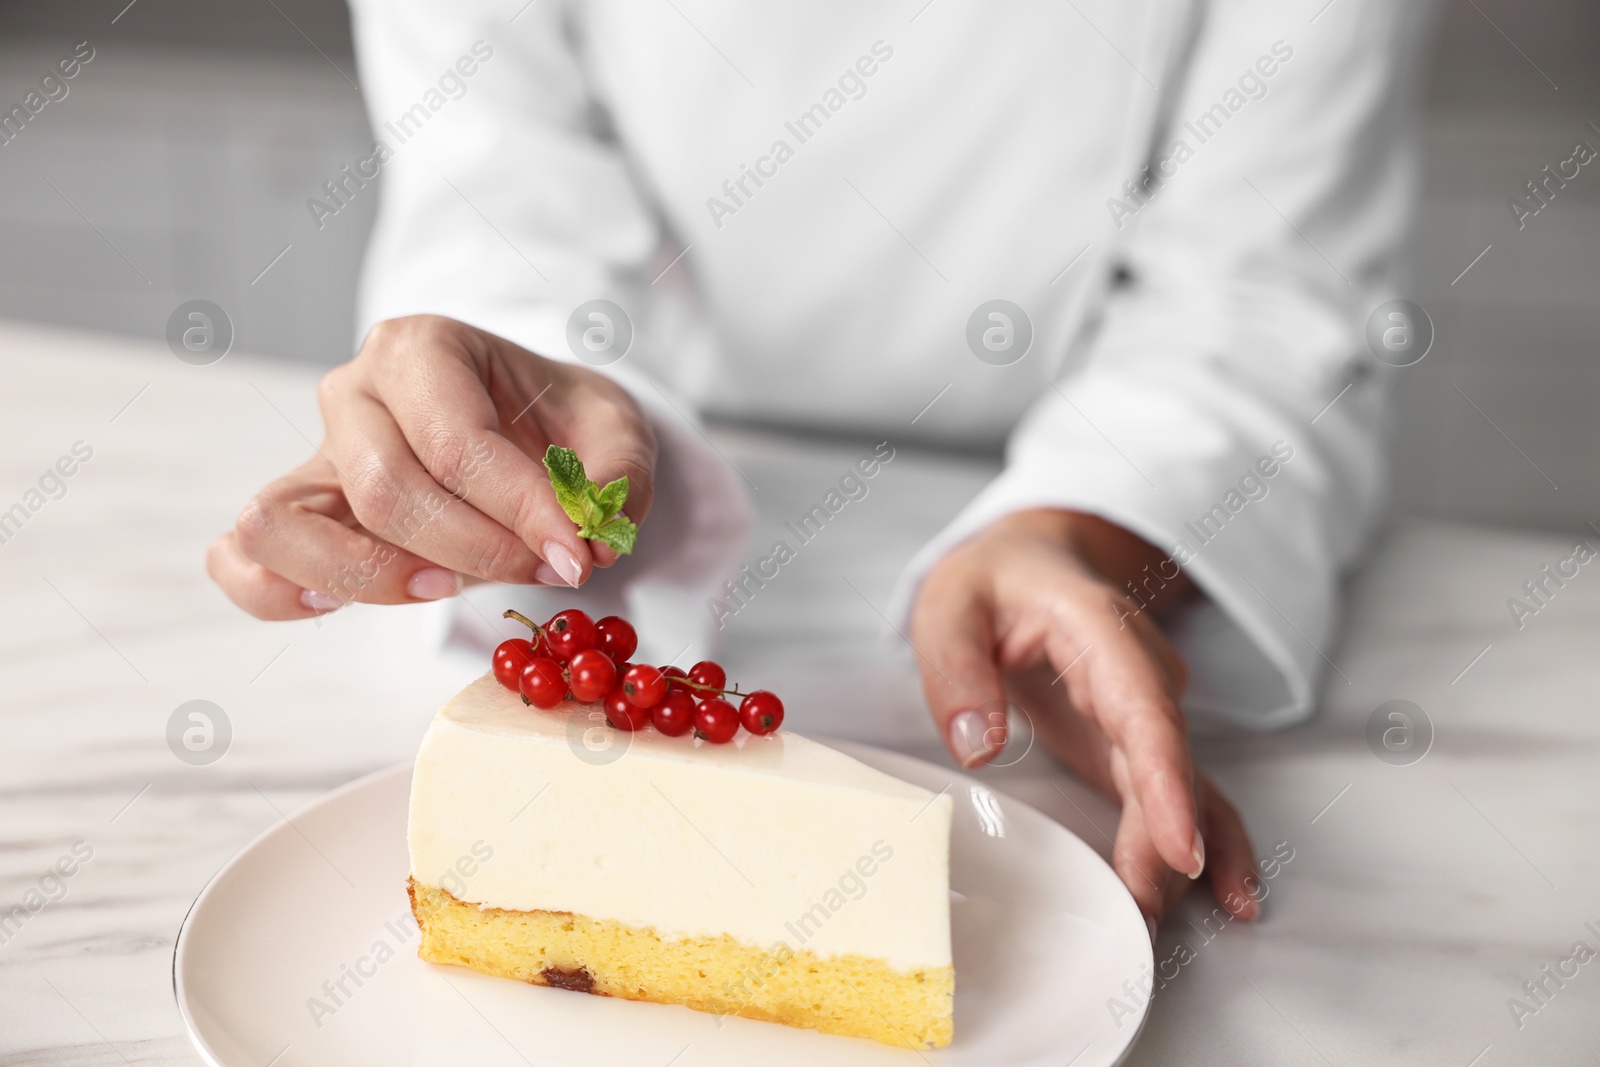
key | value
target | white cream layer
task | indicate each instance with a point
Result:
(769, 839)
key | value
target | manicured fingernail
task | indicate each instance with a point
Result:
(564, 562)
(1251, 909)
(976, 736)
(433, 583)
(319, 601)
(1198, 851)
(1150, 924)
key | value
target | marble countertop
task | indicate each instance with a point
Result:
(1420, 899)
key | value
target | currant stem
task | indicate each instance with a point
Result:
(734, 692)
(529, 623)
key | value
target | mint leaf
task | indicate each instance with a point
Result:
(568, 479)
(611, 499)
(619, 533)
(595, 510)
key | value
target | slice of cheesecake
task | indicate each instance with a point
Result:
(772, 878)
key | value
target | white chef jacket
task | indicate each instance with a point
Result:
(1196, 205)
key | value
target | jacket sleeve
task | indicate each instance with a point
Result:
(507, 204)
(1225, 406)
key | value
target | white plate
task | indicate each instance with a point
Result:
(1045, 935)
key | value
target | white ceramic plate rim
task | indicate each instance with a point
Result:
(190, 1027)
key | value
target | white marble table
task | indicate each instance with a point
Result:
(1420, 898)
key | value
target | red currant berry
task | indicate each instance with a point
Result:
(709, 675)
(542, 683)
(509, 659)
(593, 675)
(644, 685)
(569, 632)
(616, 637)
(623, 713)
(716, 721)
(761, 712)
(674, 716)
(676, 676)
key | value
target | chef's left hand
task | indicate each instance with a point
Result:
(1034, 604)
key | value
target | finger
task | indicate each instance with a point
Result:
(392, 495)
(1230, 864)
(1123, 686)
(286, 530)
(1139, 864)
(253, 587)
(954, 640)
(450, 422)
(1074, 739)
(1156, 643)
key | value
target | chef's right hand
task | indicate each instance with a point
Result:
(430, 472)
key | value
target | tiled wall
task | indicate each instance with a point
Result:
(170, 174)
(1498, 424)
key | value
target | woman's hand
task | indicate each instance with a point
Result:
(431, 471)
(1034, 606)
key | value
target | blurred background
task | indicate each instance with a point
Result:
(182, 167)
